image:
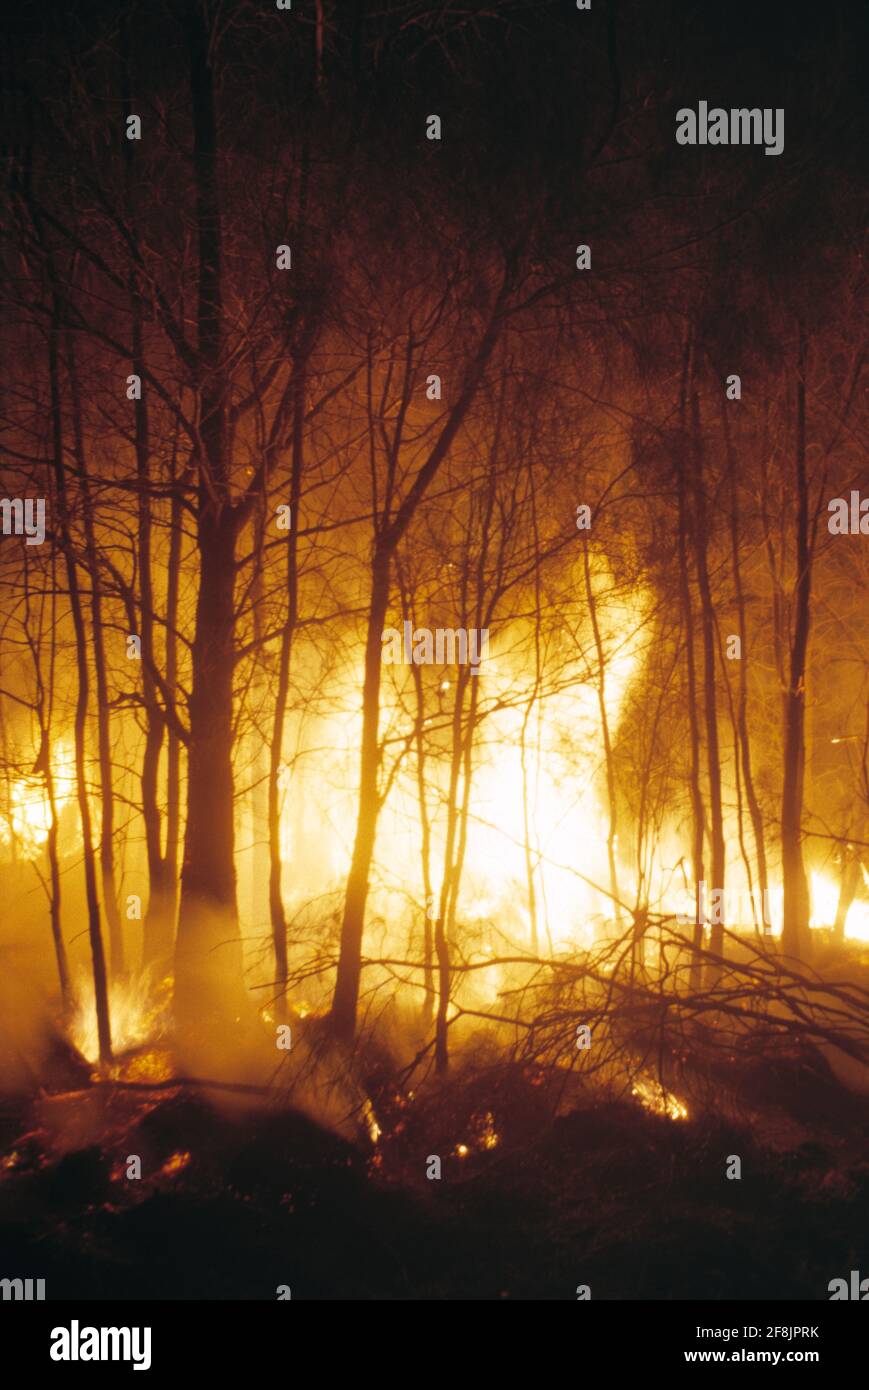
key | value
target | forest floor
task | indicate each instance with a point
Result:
(530, 1204)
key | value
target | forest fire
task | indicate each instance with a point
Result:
(655, 1097)
(136, 1017)
(434, 695)
(27, 813)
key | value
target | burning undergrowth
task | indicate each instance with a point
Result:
(530, 1167)
(505, 1179)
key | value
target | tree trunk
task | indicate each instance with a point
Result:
(101, 993)
(795, 925)
(208, 957)
(449, 885)
(208, 960)
(742, 704)
(346, 995)
(605, 731)
(159, 915)
(848, 885)
(710, 704)
(173, 759)
(104, 744)
(693, 723)
(276, 902)
(427, 1011)
(44, 762)
(390, 533)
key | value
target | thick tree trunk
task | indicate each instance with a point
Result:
(208, 961)
(208, 957)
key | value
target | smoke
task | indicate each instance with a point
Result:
(34, 1054)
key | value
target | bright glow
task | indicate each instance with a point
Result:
(655, 1097)
(134, 1021)
(559, 790)
(28, 815)
(825, 900)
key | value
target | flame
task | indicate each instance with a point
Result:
(175, 1163)
(28, 816)
(825, 901)
(656, 1098)
(489, 1138)
(374, 1130)
(824, 891)
(566, 822)
(135, 1020)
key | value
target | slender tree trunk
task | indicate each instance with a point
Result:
(276, 901)
(173, 758)
(693, 723)
(159, 915)
(612, 832)
(795, 926)
(260, 755)
(848, 885)
(157, 928)
(349, 964)
(44, 762)
(101, 994)
(44, 710)
(427, 1011)
(532, 705)
(448, 893)
(526, 826)
(104, 743)
(742, 703)
(54, 879)
(710, 703)
(346, 996)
